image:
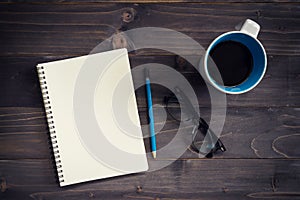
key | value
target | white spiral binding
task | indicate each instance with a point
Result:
(49, 114)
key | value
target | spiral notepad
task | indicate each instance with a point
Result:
(92, 116)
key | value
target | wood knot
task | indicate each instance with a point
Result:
(180, 62)
(258, 13)
(128, 15)
(225, 189)
(274, 183)
(91, 195)
(121, 40)
(282, 28)
(139, 189)
(3, 185)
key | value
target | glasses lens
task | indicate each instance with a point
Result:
(177, 111)
(202, 143)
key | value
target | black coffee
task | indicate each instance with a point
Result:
(234, 62)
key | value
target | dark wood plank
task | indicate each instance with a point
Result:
(19, 82)
(261, 131)
(184, 179)
(149, 1)
(71, 29)
(247, 133)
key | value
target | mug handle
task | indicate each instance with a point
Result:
(251, 28)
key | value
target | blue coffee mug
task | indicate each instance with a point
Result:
(248, 37)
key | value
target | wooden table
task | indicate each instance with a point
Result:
(261, 131)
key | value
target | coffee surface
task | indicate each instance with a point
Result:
(234, 62)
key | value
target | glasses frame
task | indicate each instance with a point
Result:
(213, 143)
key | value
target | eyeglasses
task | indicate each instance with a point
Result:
(204, 140)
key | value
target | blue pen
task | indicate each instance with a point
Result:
(150, 112)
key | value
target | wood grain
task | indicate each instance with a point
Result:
(149, 1)
(184, 179)
(261, 131)
(71, 29)
(19, 82)
(247, 133)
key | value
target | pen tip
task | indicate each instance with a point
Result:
(154, 154)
